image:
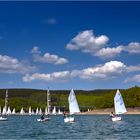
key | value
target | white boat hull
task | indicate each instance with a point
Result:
(44, 120)
(3, 119)
(69, 119)
(116, 118)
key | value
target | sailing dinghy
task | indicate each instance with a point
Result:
(73, 107)
(119, 106)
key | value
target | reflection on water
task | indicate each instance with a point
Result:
(85, 127)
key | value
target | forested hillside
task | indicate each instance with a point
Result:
(87, 99)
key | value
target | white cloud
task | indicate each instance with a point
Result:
(133, 68)
(87, 42)
(135, 78)
(12, 65)
(133, 47)
(47, 57)
(55, 76)
(35, 50)
(109, 52)
(106, 71)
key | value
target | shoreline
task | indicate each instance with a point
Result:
(109, 110)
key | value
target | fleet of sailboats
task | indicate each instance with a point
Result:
(119, 107)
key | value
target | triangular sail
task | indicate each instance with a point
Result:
(9, 111)
(40, 111)
(22, 111)
(73, 105)
(54, 110)
(14, 111)
(4, 111)
(119, 103)
(37, 111)
(46, 110)
(30, 112)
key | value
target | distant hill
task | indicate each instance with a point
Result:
(87, 99)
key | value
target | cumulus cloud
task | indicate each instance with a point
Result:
(47, 57)
(87, 42)
(55, 76)
(12, 65)
(109, 52)
(133, 68)
(133, 47)
(135, 78)
(106, 71)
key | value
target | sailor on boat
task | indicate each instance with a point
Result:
(42, 117)
(112, 115)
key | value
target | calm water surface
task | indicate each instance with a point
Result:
(85, 127)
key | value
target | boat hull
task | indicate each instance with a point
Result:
(116, 118)
(69, 119)
(44, 120)
(3, 119)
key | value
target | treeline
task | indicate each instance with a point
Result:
(87, 99)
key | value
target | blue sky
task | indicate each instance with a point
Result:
(64, 45)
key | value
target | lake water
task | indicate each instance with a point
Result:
(85, 127)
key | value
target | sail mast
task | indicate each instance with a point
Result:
(48, 100)
(6, 100)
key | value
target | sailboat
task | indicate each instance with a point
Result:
(73, 107)
(9, 111)
(54, 111)
(14, 111)
(30, 112)
(47, 110)
(4, 112)
(59, 112)
(40, 111)
(37, 111)
(119, 106)
(22, 111)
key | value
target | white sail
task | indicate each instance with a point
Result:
(37, 111)
(40, 111)
(9, 111)
(46, 110)
(54, 110)
(14, 111)
(119, 103)
(73, 105)
(22, 111)
(30, 112)
(59, 112)
(4, 111)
